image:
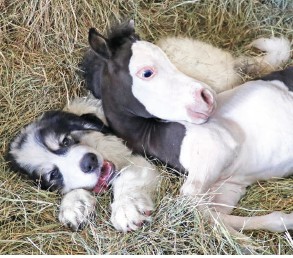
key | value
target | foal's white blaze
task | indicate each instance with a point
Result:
(165, 91)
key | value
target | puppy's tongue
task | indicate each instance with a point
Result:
(107, 174)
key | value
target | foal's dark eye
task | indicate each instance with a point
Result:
(146, 73)
(54, 174)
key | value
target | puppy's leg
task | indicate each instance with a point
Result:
(133, 193)
(76, 207)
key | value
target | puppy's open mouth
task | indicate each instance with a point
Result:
(108, 173)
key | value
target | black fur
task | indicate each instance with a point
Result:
(53, 123)
(142, 132)
(119, 34)
(285, 76)
(65, 122)
(44, 184)
(93, 64)
(92, 68)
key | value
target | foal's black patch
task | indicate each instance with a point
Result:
(103, 49)
(285, 76)
(120, 33)
(92, 67)
(129, 119)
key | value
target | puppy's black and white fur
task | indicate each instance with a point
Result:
(73, 152)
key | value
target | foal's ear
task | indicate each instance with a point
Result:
(99, 44)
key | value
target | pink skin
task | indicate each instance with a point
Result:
(203, 107)
(106, 174)
(204, 101)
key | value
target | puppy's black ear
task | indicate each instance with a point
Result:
(61, 122)
(99, 44)
(96, 122)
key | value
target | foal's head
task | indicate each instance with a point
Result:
(137, 76)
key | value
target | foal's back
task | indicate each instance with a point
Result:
(263, 111)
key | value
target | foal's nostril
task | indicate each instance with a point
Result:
(89, 162)
(207, 97)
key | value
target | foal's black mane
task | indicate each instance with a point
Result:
(119, 33)
(91, 67)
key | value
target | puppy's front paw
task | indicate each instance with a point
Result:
(76, 207)
(129, 212)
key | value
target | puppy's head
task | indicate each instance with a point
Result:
(52, 152)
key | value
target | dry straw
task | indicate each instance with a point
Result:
(41, 44)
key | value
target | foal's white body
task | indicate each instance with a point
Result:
(249, 138)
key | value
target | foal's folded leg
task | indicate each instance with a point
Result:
(206, 157)
(226, 198)
(276, 221)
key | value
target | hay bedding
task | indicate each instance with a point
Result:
(41, 44)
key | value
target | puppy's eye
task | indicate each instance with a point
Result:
(54, 174)
(67, 141)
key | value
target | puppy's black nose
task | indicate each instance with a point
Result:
(89, 162)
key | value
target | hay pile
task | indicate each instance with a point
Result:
(41, 44)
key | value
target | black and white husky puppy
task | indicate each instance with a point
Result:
(73, 152)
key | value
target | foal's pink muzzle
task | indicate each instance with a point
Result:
(203, 106)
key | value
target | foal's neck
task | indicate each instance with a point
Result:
(148, 136)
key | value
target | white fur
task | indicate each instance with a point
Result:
(249, 138)
(35, 157)
(230, 151)
(217, 67)
(169, 85)
(226, 154)
(229, 154)
(133, 189)
(76, 208)
(86, 105)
